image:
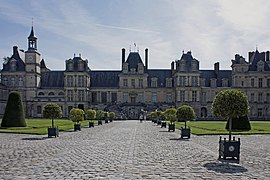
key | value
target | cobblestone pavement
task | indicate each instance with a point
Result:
(128, 150)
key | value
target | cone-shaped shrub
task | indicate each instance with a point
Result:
(240, 124)
(14, 112)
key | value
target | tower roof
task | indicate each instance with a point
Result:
(32, 34)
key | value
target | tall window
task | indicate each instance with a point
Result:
(104, 97)
(133, 83)
(140, 83)
(182, 81)
(81, 95)
(80, 81)
(194, 81)
(13, 83)
(252, 97)
(182, 96)
(260, 112)
(154, 97)
(252, 83)
(69, 81)
(140, 97)
(114, 97)
(260, 82)
(268, 97)
(194, 96)
(94, 97)
(20, 81)
(39, 110)
(169, 98)
(204, 97)
(70, 95)
(260, 97)
(125, 97)
(268, 82)
(125, 83)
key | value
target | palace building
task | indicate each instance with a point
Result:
(135, 88)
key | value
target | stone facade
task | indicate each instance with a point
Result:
(135, 87)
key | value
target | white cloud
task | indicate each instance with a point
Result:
(212, 30)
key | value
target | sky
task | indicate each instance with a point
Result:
(213, 30)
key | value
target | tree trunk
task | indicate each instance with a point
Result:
(230, 129)
(185, 124)
(52, 122)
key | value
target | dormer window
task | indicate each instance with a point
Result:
(182, 65)
(194, 66)
(168, 82)
(13, 65)
(153, 82)
(80, 66)
(213, 82)
(260, 66)
(133, 70)
(140, 68)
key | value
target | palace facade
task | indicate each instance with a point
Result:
(135, 87)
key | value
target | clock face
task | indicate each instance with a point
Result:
(231, 148)
(30, 57)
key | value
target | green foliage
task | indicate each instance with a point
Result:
(162, 116)
(154, 115)
(90, 114)
(170, 114)
(99, 114)
(230, 104)
(240, 124)
(76, 115)
(111, 115)
(14, 112)
(52, 111)
(185, 113)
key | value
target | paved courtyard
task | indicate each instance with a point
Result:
(128, 150)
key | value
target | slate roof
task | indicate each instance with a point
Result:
(133, 60)
(52, 79)
(20, 66)
(104, 78)
(255, 58)
(221, 74)
(161, 74)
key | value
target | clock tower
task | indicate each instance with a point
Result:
(32, 67)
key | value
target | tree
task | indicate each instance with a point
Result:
(229, 104)
(154, 115)
(14, 112)
(111, 115)
(100, 114)
(76, 115)
(170, 115)
(185, 113)
(90, 114)
(52, 111)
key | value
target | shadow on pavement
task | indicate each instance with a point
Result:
(223, 167)
(178, 139)
(34, 138)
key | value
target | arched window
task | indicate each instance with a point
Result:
(61, 94)
(41, 94)
(51, 94)
(80, 66)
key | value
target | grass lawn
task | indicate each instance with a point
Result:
(218, 128)
(39, 126)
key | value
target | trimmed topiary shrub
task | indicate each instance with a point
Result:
(185, 113)
(52, 111)
(240, 124)
(14, 112)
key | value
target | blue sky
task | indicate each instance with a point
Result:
(214, 30)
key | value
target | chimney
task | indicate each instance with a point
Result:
(123, 55)
(216, 67)
(267, 56)
(172, 67)
(15, 49)
(146, 58)
(250, 54)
